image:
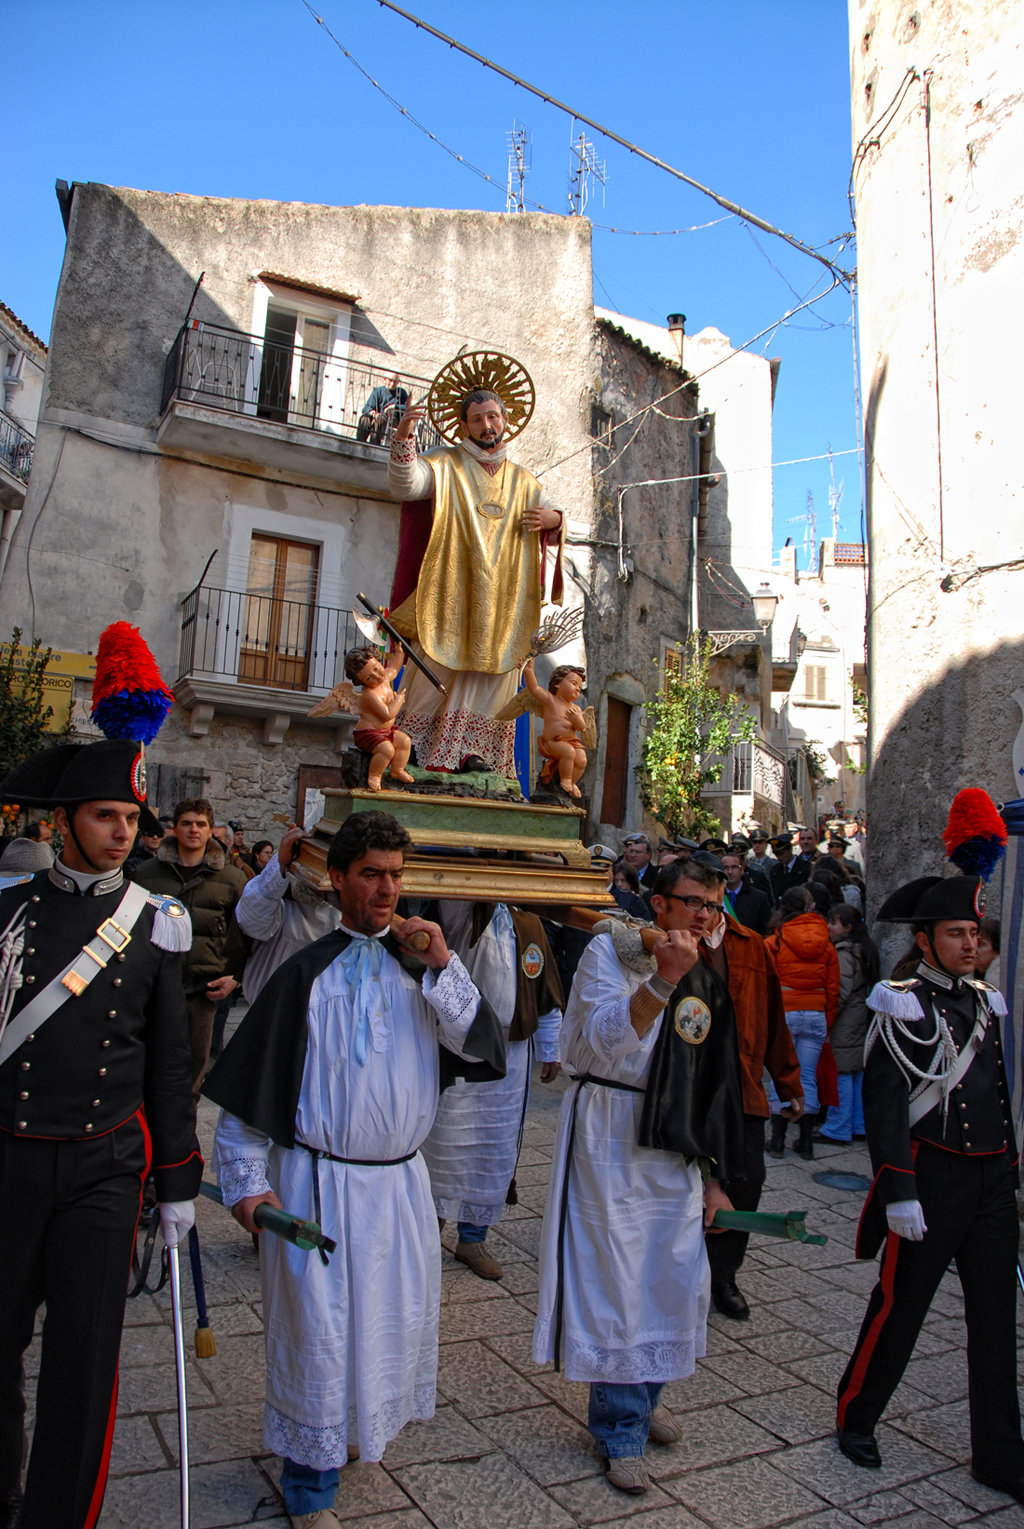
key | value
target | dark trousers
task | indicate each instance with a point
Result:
(68, 1213)
(726, 1250)
(971, 1214)
(200, 1033)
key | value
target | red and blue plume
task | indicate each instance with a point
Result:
(129, 697)
(975, 834)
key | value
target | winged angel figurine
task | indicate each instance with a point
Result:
(377, 706)
(568, 730)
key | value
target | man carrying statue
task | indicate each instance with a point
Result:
(470, 577)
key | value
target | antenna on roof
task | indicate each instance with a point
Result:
(835, 496)
(520, 161)
(584, 170)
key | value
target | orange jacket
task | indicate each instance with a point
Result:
(761, 1029)
(807, 964)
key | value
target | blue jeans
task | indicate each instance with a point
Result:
(305, 1490)
(619, 1417)
(846, 1119)
(809, 1030)
(470, 1233)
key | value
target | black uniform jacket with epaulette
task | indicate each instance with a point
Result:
(978, 1120)
(120, 1048)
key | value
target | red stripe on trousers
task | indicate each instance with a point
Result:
(860, 1369)
(99, 1490)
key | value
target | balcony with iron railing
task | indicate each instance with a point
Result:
(231, 393)
(16, 449)
(261, 655)
(753, 769)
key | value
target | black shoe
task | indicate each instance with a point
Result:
(10, 1510)
(474, 765)
(861, 1448)
(1013, 1486)
(777, 1144)
(729, 1301)
(805, 1144)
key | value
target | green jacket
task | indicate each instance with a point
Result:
(210, 891)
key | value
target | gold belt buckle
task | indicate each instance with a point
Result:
(109, 923)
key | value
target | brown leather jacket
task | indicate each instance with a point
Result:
(764, 1037)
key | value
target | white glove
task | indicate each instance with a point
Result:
(176, 1218)
(906, 1219)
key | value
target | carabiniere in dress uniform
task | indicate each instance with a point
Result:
(95, 1094)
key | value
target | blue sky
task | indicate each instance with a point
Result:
(254, 100)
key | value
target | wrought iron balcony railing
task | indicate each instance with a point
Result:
(262, 639)
(753, 767)
(247, 374)
(16, 448)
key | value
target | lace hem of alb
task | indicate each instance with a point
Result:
(326, 1447)
(445, 738)
(657, 1361)
(243, 1176)
(472, 1215)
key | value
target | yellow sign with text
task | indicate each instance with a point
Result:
(67, 681)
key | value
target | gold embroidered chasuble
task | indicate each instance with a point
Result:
(479, 594)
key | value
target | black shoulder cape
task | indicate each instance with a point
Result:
(259, 1076)
(694, 1098)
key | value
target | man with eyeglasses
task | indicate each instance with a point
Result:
(656, 1099)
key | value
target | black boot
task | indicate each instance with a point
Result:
(777, 1143)
(805, 1146)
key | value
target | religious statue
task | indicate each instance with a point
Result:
(377, 706)
(564, 721)
(471, 571)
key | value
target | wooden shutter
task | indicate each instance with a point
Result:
(616, 763)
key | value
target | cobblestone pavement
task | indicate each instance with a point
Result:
(508, 1446)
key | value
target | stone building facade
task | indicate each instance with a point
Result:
(938, 137)
(22, 364)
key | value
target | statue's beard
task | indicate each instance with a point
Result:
(489, 438)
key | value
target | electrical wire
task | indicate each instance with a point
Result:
(606, 132)
(871, 139)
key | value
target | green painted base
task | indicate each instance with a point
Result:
(471, 783)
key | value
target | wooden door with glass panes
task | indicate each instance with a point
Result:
(277, 616)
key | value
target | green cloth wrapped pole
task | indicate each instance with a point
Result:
(769, 1224)
(302, 1234)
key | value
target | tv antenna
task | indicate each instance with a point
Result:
(811, 529)
(520, 161)
(835, 496)
(585, 170)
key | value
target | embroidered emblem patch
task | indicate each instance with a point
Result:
(138, 776)
(980, 899)
(533, 960)
(692, 1020)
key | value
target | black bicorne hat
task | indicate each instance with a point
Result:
(112, 770)
(929, 899)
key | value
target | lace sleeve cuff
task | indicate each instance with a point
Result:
(243, 1176)
(609, 1031)
(240, 1154)
(403, 450)
(454, 1000)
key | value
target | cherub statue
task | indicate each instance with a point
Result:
(377, 706)
(560, 742)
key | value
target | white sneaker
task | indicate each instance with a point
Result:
(320, 1518)
(664, 1429)
(629, 1474)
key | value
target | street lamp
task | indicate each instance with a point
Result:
(765, 600)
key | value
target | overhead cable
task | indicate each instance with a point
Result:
(660, 164)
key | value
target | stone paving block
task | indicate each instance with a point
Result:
(518, 1279)
(593, 1501)
(1009, 1518)
(532, 1156)
(153, 1389)
(926, 1494)
(507, 1251)
(783, 1346)
(847, 1309)
(795, 1415)
(218, 1433)
(763, 1321)
(142, 1311)
(719, 1335)
(944, 1378)
(545, 1443)
(460, 1284)
(831, 1518)
(524, 1235)
(364, 1490)
(675, 1517)
(136, 1448)
(234, 1320)
(761, 1289)
(221, 1496)
(704, 1388)
(806, 1318)
(237, 1369)
(448, 1436)
(881, 1508)
(573, 1396)
(147, 1346)
(481, 1319)
(480, 1383)
(946, 1428)
(819, 1465)
(710, 1437)
(517, 1350)
(749, 1495)
(482, 1494)
(960, 1484)
(533, 1174)
(752, 1375)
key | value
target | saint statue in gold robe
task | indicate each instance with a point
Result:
(470, 580)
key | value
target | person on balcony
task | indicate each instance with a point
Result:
(384, 407)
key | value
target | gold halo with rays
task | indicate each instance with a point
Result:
(488, 369)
